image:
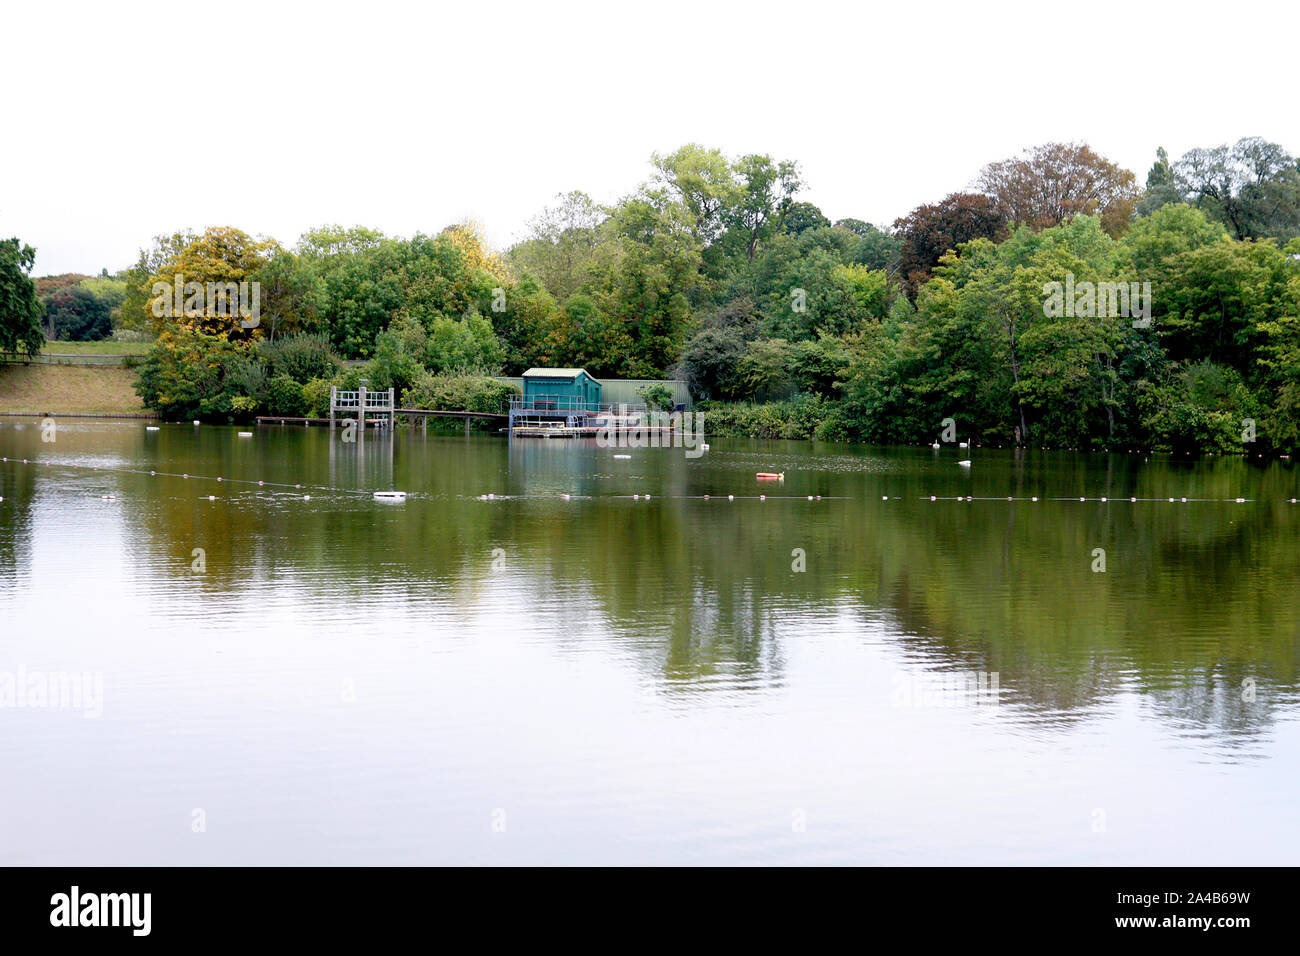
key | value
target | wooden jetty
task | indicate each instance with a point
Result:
(412, 415)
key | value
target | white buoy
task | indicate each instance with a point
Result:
(391, 495)
(1035, 498)
(733, 498)
(196, 421)
(151, 428)
(245, 434)
(212, 497)
(964, 464)
(935, 446)
(306, 497)
(963, 444)
(622, 456)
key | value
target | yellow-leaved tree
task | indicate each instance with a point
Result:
(209, 285)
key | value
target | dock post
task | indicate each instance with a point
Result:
(466, 426)
(392, 409)
(333, 391)
(361, 409)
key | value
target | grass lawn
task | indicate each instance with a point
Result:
(96, 348)
(68, 388)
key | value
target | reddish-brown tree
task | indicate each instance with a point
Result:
(1048, 184)
(928, 232)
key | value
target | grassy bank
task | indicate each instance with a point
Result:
(68, 389)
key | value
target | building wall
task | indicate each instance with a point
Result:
(626, 391)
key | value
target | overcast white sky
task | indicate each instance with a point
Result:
(128, 119)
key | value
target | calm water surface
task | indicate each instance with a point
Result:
(529, 679)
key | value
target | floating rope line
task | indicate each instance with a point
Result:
(1105, 499)
(153, 473)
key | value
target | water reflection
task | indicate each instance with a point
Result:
(603, 652)
(1196, 601)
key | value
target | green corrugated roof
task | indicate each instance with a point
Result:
(557, 373)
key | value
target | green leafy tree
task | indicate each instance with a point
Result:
(1252, 187)
(767, 191)
(1162, 186)
(76, 314)
(802, 216)
(188, 374)
(463, 346)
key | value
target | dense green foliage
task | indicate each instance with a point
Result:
(20, 310)
(470, 393)
(79, 308)
(1175, 320)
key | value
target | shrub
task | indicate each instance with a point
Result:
(248, 375)
(284, 396)
(188, 374)
(799, 418)
(393, 365)
(301, 357)
(658, 396)
(316, 397)
(461, 393)
(463, 346)
(709, 362)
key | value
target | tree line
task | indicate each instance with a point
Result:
(785, 322)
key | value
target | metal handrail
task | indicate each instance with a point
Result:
(564, 403)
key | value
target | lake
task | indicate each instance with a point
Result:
(492, 673)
